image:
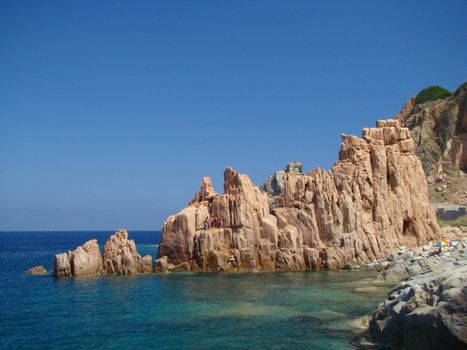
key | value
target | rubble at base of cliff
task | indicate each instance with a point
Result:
(428, 309)
(404, 263)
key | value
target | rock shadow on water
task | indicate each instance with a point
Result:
(249, 310)
(310, 320)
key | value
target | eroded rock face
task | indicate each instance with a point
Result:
(161, 265)
(372, 201)
(84, 260)
(120, 257)
(439, 131)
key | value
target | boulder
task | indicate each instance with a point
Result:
(161, 265)
(84, 260)
(427, 312)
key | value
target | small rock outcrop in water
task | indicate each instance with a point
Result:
(429, 311)
(372, 201)
(120, 257)
(36, 270)
(84, 260)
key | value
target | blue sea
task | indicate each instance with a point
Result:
(315, 310)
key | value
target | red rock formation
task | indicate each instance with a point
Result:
(84, 260)
(120, 257)
(373, 200)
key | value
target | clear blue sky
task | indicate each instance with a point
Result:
(112, 111)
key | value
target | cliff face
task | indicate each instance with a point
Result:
(372, 201)
(439, 131)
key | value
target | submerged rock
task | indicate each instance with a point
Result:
(36, 270)
(372, 201)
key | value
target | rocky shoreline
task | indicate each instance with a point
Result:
(370, 211)
(427, 309)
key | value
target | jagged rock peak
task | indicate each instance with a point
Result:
(120, 257)
(236, 183)
(205, 192)
(294, 167)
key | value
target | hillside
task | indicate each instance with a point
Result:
(438, 125)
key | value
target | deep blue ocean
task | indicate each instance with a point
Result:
(316, 310)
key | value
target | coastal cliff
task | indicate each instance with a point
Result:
(373, 200)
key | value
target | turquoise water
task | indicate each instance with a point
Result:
(176, 311)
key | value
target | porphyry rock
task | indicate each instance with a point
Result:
(372, 201)
(161, 265)
(36, 270)
(120, 257)
(62, 265)
(84, 260)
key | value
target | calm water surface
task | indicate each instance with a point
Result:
(177, 311)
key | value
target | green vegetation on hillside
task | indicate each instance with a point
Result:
(432, 93)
